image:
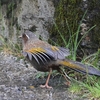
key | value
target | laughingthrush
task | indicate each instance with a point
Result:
(45, 57)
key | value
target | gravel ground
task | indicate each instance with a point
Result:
(18, 82)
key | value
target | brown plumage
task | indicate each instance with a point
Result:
(45, 57)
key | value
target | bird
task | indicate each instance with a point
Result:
(45, 57)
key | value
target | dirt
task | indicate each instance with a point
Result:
(18, 82)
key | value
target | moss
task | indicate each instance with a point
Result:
(11, 16)
(2, 2)
(67, 17)
(94, 17)
(10, 7)
(68, 14)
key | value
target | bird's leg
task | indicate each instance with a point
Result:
(47, 81)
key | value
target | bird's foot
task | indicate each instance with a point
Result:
(46, 86)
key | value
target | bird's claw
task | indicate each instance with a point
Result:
(46, 86)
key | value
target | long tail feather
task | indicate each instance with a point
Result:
(79, 67)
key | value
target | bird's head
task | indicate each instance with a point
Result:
(28, 35)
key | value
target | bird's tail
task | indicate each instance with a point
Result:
(79, 67)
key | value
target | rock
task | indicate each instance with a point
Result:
(16, 82)
(34, 15)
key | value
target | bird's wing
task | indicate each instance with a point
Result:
(39, 54)
(57, 52)
(47, 53)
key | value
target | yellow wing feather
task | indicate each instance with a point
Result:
(35, 50)
(54, 48)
